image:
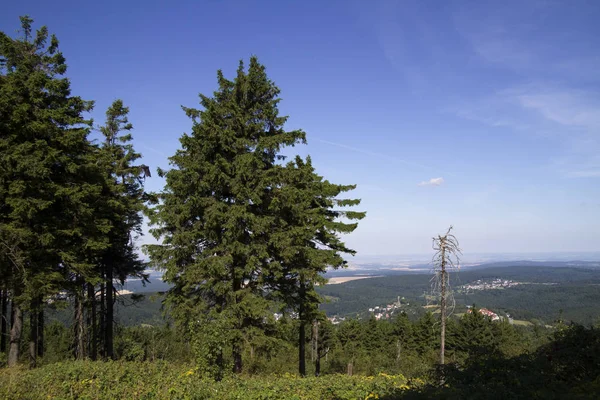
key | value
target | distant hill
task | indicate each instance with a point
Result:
(575, 291)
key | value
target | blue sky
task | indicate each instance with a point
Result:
(480, 114)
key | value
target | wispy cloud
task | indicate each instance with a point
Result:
(153, 150)
(565, 106)
(527, 107)
(565, 114)
(380, 155)
(433, 182)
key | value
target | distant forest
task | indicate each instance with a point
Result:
(575, 297)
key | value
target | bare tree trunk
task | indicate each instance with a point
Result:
(109, 321)
(443, 307)
(302, 347)
(92, 327)
(79, 324)
(15, 334)
(101, 334)
(316, 348)
(40, 336)
(313, 342)
(4, 323)
(33, 335)
(446, 257)
(302, 330)
(318, 365)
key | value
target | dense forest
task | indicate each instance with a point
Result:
(244, 237)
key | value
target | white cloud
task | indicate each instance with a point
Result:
(432, 182)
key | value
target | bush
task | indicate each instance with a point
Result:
(162, 380)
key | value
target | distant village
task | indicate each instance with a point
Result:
(387, 311)
(482, 284)
(493, 316)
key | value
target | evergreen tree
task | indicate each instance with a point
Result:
(349, 335)
(475, 335)
(305, 239)
(213, 214)
(43, 150)
(123, 203)
(426, 332)
(402, 330)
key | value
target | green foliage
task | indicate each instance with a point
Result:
(212, 216)
(68, 207)
(123, 196)
(212, 346)
(567, 367)
(44, 160)
(238, 229)
(160, 380)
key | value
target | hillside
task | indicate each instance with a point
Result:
(542, 293)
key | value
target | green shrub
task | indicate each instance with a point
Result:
(163, 380)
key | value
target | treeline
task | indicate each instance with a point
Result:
(402, 345)
(242, 233)
(70, 207)
(485, 360)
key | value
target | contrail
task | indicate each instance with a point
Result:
(380, 155)
(152, 149)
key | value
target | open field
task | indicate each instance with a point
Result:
(343, 279)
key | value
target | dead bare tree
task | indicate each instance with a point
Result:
(447, 252)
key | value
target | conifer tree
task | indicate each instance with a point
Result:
(213, 216)
(43, 150)
(123, 202)
(306, 240)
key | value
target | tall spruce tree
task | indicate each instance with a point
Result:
(213, 217)
(43, 148)
(305, 240)
(123, 202)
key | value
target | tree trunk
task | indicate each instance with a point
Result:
(92, 327)
(301, 348)
(302, 331)
(101, 333)
(109, 321)
(40, 336)
(220, 365)
(15, 334)
(4, 315)
(79, 321)
(237, 359)
(316, 348)
(443, 309)
(33, 335)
